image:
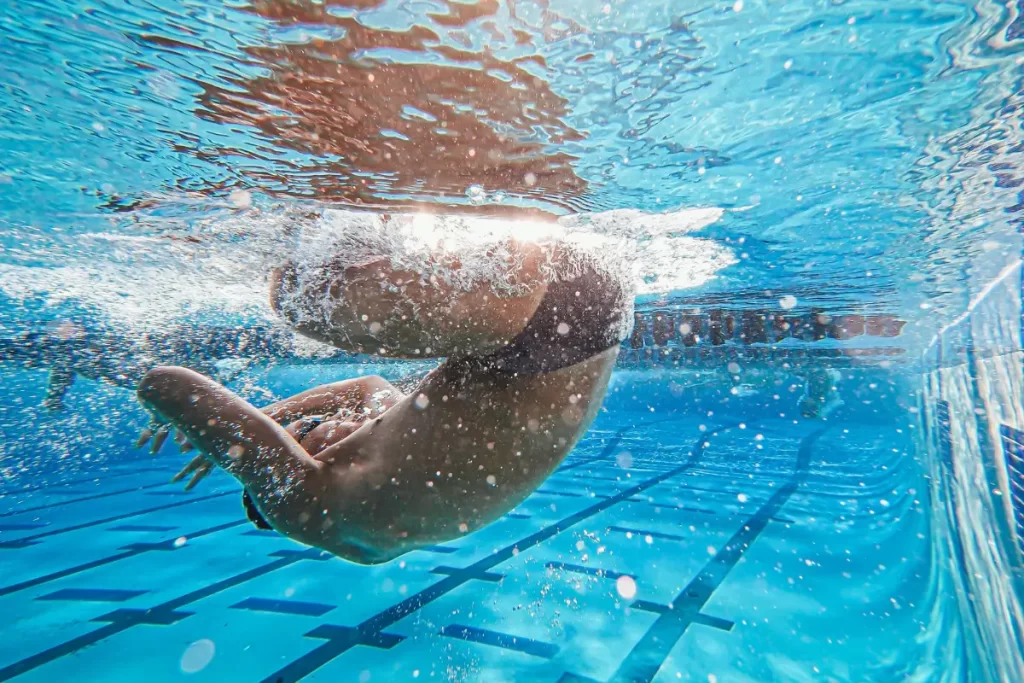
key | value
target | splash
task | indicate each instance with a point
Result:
(217, 266)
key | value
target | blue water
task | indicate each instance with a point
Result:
(833, 162)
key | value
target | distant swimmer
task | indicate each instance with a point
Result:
(530, 331)
(821, 395)
(122, 360)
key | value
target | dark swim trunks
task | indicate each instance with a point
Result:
(577, 319)
(253, 514)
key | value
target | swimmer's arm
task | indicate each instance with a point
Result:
(57, 385)
(374, 308)
(371, 394)
(224, 427)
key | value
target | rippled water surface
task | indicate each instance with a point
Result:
(839, 135)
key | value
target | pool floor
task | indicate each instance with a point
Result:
(662, 550)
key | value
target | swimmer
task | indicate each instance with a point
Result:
(69, 351)
(821, 396)
(368, 473)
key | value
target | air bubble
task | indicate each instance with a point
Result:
(198, 656)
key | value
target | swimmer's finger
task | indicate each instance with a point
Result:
(193, 465)
(144, 436)
(184, 445)
(159, 437)
(201, 472)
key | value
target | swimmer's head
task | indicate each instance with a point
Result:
(303, 299)
(317, 300)
(809, 408)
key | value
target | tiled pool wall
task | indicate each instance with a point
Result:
(973, 421)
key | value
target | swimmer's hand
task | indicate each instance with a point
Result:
(155, 434)
(200, 465)
(158, 431)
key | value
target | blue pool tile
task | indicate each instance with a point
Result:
(93, 595)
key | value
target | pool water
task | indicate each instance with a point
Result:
(803, 187)
(667, 547)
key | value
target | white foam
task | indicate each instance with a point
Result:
(149, 275)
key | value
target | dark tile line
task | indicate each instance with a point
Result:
(672, 506)
(481, 576)
(587, 571)
(703, 511)
(130, 551)
(373, 627)
(597, 478)
(612, 445)
(646, 658)
(440, 549)
(102, 475)
(605, 452)
(92, 595)
(31, 540)
(535, 648)
(652, 534)
(726, 492)
(306, 609)
(564, 494)
(164, 614)
(27, 526)
(266, 533)
(698, 618)
(95, 496)
(141, 527)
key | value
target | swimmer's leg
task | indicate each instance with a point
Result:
(60, 380)
(365, 396)
(233, 433)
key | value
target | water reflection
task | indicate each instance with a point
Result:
(380, 114)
